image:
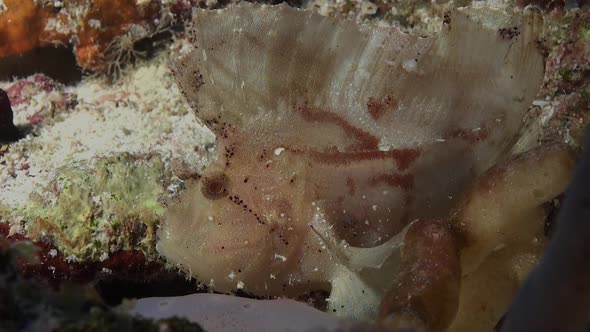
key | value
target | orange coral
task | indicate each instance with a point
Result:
(21, 26)
(116, 17)
(90, 26)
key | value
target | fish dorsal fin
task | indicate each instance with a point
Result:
(295, 78)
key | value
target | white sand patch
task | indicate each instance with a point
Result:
(143, 114)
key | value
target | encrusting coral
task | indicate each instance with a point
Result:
(113, 208)
(103, 33)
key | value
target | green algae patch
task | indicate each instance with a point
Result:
(96, 210)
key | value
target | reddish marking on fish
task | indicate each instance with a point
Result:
(404, 181)
(367, 141)
(472, 136)
(403, 157)
(378, 108)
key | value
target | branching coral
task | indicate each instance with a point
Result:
(123, 50)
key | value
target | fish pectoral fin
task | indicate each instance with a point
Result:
(355, 258)
(352, 297)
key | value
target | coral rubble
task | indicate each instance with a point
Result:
(98, 161)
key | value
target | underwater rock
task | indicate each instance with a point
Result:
(8, 131)
(52, 265)
(82, 177)
(541, 3)
(328, 148)
(98, 213)
(565, 96)
(21, 91)
(38, 98)
(29, 304)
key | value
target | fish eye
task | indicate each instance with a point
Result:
(215, 186)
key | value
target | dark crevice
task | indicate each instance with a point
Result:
(113, 291)
(552, 208)
(58, 63)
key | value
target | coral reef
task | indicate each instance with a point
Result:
(113, 207)
(422, 17)
(103, 33)
(60, 181)
(140, 128)
(553, 4)
(565, 96)
(27, 305)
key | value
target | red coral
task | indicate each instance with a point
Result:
(54, 267)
